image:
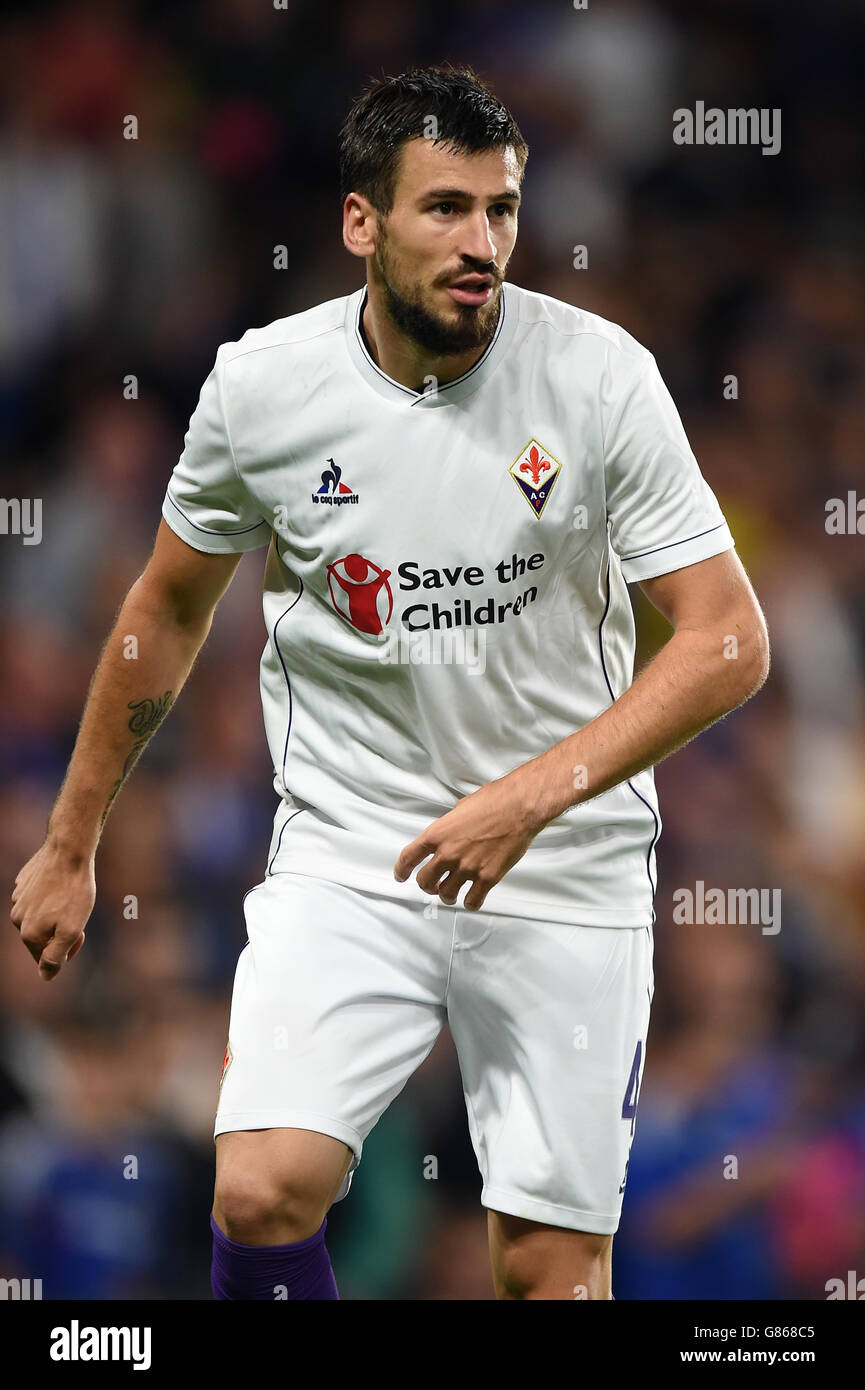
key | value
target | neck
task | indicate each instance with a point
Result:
(404, 360)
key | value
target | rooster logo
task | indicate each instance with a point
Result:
(330, 480)
(535, 471)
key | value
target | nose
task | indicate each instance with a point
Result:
(477, 243)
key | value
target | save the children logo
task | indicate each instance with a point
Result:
(535, 470)
(467, 595)
(360, 592)
(333, 491)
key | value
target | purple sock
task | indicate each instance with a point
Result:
(271, 1272)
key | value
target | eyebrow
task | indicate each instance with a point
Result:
(440, 194)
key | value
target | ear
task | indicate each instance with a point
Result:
(359, 225)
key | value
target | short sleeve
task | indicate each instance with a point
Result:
(206, 502)
(662, 514)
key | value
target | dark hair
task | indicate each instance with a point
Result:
(468, 118)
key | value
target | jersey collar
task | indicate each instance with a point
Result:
(448, 394)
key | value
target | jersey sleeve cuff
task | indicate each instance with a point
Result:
(663, 559)
(211, 541)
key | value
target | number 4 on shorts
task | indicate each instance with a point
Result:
(632, 1090)
(629, 1104)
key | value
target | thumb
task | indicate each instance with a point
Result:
(53, 958)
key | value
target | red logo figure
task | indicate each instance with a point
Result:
(359, 592)
(536, 465)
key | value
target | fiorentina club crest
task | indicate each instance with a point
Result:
(535, 470)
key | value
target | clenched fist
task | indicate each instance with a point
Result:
(52, 901)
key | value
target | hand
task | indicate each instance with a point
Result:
(484, 835)
(52, 900)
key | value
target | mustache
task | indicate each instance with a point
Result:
(492, 271)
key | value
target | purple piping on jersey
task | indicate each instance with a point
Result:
(639, 795)
(642, 553)
(287, 681)
(290, 714)
(279, 841)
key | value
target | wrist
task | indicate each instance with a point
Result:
(550, 785)
(71, 845)
(533, 796)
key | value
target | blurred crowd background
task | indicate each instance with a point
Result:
(137, 257)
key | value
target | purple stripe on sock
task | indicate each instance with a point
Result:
(271, 1272)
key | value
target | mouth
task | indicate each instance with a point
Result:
(472, 289)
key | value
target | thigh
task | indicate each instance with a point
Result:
(550, 1026)
(338, 997)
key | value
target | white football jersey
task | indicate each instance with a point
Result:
(445, 594)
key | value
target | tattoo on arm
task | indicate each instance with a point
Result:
(145, 719)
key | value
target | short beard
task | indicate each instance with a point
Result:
(475, 328)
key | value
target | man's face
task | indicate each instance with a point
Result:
(442, 250)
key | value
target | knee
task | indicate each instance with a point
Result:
(258, 1209)
(574, 1266)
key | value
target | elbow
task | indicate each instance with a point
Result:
(754, 656)
(765, 656)
(170, 604)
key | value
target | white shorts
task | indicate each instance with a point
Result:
(340, 994)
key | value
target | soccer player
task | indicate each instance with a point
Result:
(440, 455)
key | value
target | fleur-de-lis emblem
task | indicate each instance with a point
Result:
(535, 464)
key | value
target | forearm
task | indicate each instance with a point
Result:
(687, 686)
(132, 689)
